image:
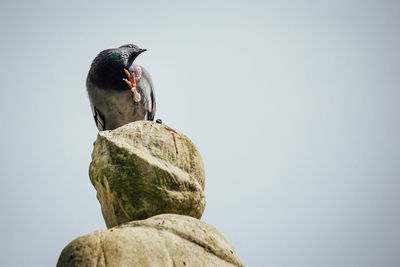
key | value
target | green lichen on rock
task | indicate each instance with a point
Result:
(163, 240)
(143, 169)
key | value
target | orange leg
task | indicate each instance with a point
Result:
(132, 84)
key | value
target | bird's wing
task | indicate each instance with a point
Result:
(146, 84)
(98, 118)
(152, 111)
(153, 105)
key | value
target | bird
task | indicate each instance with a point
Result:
(120, 91)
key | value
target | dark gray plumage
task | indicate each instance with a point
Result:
(113, 102)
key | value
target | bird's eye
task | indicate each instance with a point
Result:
(130, 46)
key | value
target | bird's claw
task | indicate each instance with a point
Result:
(132, 84)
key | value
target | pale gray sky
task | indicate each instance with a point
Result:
(294, 106)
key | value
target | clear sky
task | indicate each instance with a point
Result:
(294, 106)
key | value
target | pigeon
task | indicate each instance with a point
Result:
(119, 91)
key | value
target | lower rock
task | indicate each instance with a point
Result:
(162, 240)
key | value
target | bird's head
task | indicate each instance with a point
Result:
(130, 52)
(107, 68)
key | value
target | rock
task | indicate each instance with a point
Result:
(163, 240)
(144, 169)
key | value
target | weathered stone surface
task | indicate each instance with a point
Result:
(163, 240)
(144, 169)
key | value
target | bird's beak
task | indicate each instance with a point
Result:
(141, 50)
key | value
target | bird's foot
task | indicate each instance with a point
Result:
(159, 121)
(132, 84)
